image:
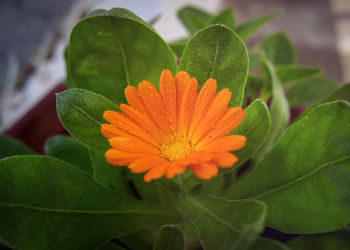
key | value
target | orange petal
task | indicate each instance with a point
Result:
(121, 158)
(109, 131)
(145, 163)
(175, 169)
(204, 170)
(216, 111)
(167, 89)
(226, 143)
(181, 80)
(133, 145)
(230, 121)
(154, 105)
(186, 107)
(156, 172)
(225, 159)
(122, 122)
(134, 99)
(204, 100)
(142, 120)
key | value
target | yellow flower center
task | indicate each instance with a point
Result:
(176, 147)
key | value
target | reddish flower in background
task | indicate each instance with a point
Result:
(165, 132)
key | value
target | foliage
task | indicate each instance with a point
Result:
(290, 177)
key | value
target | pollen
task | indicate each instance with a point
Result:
(176, 147)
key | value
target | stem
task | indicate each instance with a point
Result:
(180, 180)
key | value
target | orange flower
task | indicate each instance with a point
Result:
(167, 131)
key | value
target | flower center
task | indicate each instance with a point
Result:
(176, 147)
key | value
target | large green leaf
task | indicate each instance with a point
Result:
(47, 204)
(244, 30)
(336, 240)
(279, 109)
(310, 91)
(304, 180)
(109, 50)
(224, 224)
(81, 113)
(217, 52)
(69, 150)
(342, 93)
(194, 19)
(255, 126)
(277, 49)
(268, 244)
(109, 246)
(290, 73)
(169, 237)
(10, 146)
(112, 177)
(225, 17)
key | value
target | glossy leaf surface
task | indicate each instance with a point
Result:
(169, 237)
(217, 52)
(224, 224)
(10, 146)
(244, 30)
(81, 113)
(53, 205)
(109, 50)
(69, 150)
(304, 180)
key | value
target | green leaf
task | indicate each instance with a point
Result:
(154, 20)
(81, 113)
(304, 180)
(178, 47)
(254, 60)
(217, 52)
(268, 244)
(244, 30)
(278, 49)
(225, 17)
(194, 19)
(169, 237)
(10, 146)
(224, 224)
(68, 80)
(342, 93)
(48, 204)
(109, 246)
(279, 110)
(69, 150)
(109, 50)
(254, 84)
(290, 73)
(112, 177)
(141, 239)
(310, 91)
(336, 240)
(255, 126)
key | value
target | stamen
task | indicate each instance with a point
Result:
(176, 147)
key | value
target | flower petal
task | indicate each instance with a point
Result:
(156, 172)
(145, 163)
(109, 131)
(230, 121)
(155, 106)
(225, 159)
(133, 97)
(167, 89)
(142, 120)
(175, 169)
(227, 143)
(121, 158)
(204, 170)
(203, 102)
(186, 107)
(133, 145)
(122, 122)
(216, 111)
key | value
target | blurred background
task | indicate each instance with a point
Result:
(35, 32)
